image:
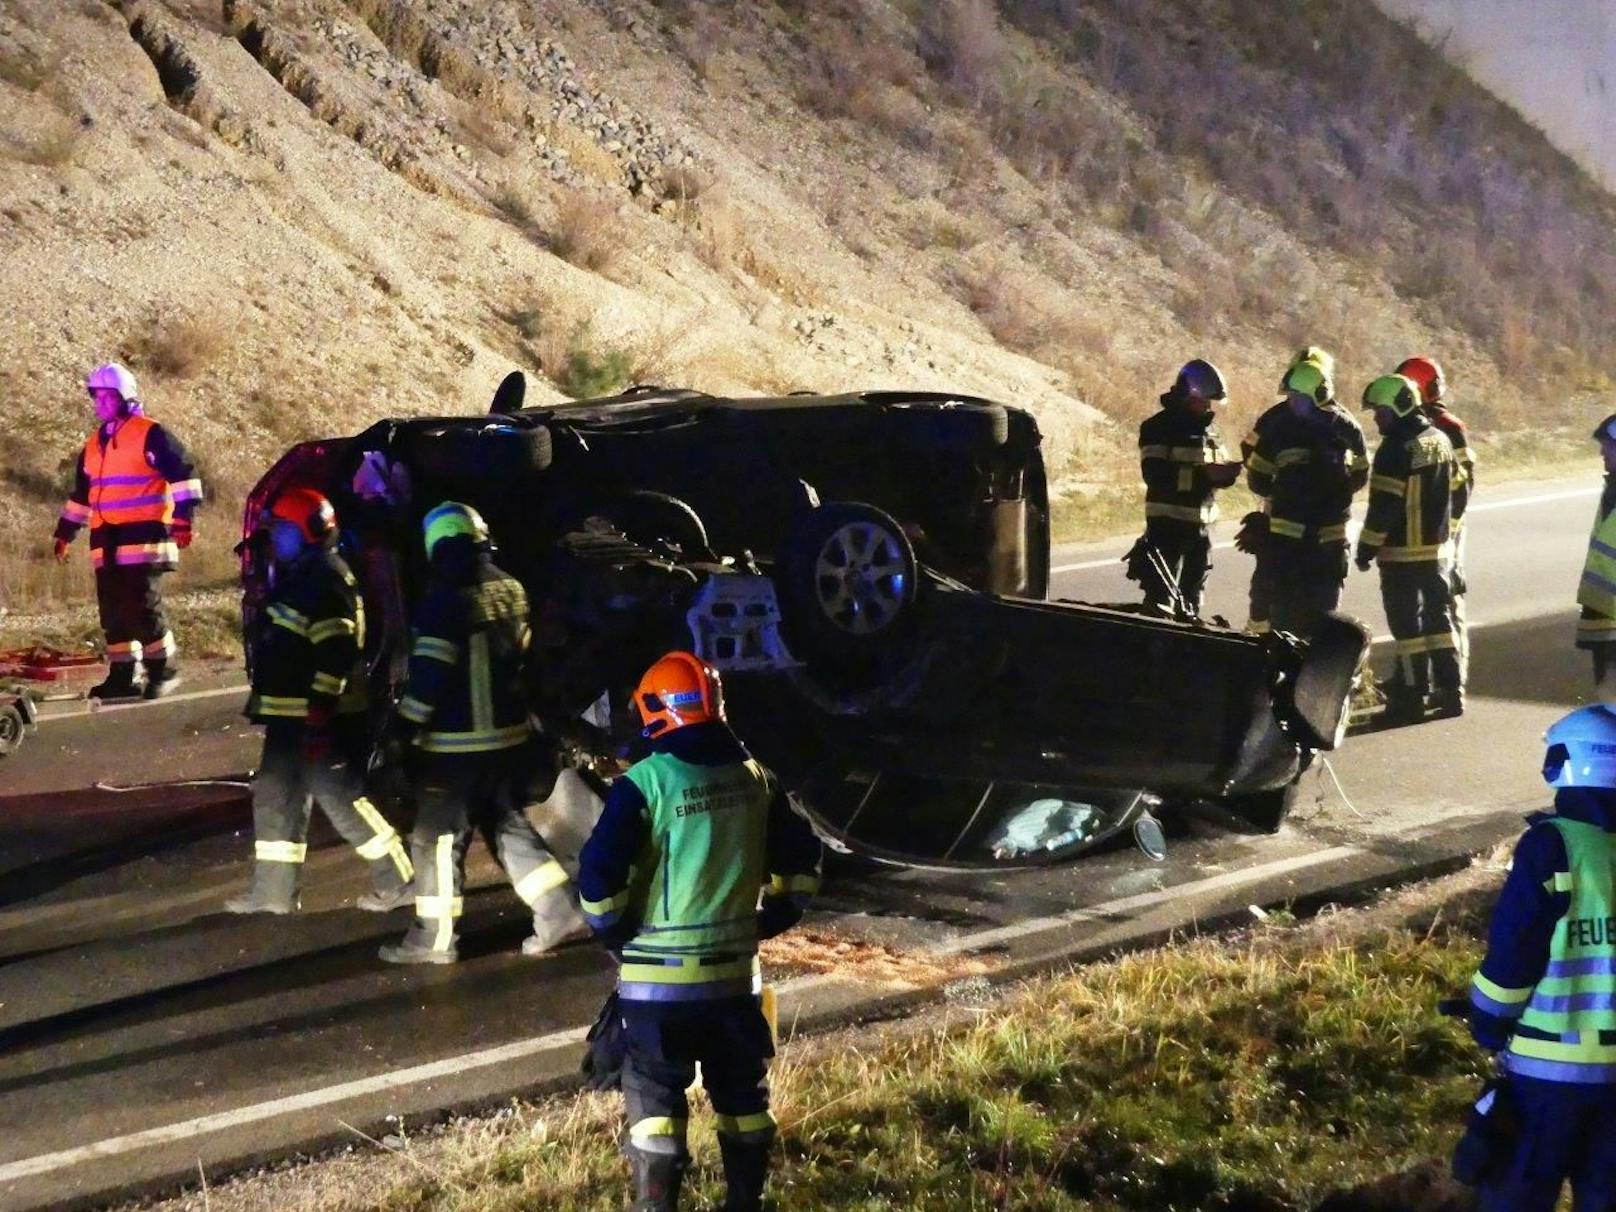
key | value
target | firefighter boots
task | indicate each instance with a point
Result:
(161, 678)
(418, 951)
(385, 895)
(119, 683)
(556, 920)
(273, 890)
(746, 1171)
(656, 1180)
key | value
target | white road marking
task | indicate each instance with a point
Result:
(189, 696)
(258, 1112)
(1568, 494)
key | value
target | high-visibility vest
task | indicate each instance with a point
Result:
(127, 492)
(697, 881)
(1597, 591)
(1567, 1033)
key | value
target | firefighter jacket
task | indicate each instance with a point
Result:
(1458, 436)
(1249, 443)
(1596, 593)
(310, 653)
(697, 855)
(1176, 448)
(133, 482)
(1308, 468)
(464, 693)
(1546, 991)
(1411, 496)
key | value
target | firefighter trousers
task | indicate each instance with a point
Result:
(1304, 581)
(1418, 599)
(1568, 1134)
(131, 609)
(455, 794)
(1185, 554)
(731, 1041)
(285, 791)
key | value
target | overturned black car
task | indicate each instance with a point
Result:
(869, 571)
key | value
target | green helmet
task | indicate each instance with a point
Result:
(1322, 358)
(451, 519)
(1311, 380)
(1398, 393)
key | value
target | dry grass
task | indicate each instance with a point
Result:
(586, 232)
(178, 346)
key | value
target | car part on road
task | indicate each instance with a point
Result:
(1150, 837)
(17, 719)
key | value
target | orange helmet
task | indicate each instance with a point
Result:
(1427, 375)
(679, 690)
(307, 509)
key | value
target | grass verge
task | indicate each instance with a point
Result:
(1295, 1067)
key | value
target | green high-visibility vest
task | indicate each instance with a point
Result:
(697, 880)
(1597, 590)
(1568, 1030)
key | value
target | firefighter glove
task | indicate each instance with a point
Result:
(1364, 561)
(182, 532)
(1252, 536)
(776, 915)
(59, 550)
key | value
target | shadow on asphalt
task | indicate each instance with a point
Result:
(1532, 662)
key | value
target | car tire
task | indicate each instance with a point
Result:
(849, 581)
(491, 451)
(11, 729)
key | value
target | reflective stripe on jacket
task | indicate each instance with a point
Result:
(132, 481)
(1411, 495)
(1175, 448)
(1566, 1030)
(465, 692)
(1308, 468)
(311, 646)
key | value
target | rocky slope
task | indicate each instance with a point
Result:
(294, 216)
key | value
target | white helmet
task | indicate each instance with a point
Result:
(1582, 749)
(114, 376)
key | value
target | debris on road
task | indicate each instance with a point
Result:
(807, 952)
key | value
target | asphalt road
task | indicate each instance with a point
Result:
(143, 1033)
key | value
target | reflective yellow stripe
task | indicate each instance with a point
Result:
(482, 694)
(275, 705)
(327, 683)
(445, 907)
(1561, 881)
(414, 710)
(328, 628)
(1498, 993)
(1372, 538)
(1328, 533)
(284, 616)
(437, 649)
(785, 884)
(1260, 465)
(602, 908)
(1294, 457)
(1183, 513)
(1287, 528)
(1588, 1051)
(473, 742)
(1387, 484)
(540, 880)
(685, 970)
(746, 1125)
(280, 852)
(1414, 514)
(1411, 555)
(657, 1126)
(1152, 452)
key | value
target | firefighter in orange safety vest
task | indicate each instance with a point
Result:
(136, 490)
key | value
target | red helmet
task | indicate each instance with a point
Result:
(1427, 375)
(679, 690)
(307, 509)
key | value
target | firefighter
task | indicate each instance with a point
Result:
(1412, 490)
(1253, 533)
(1545, 996)
(463, 717)
(309, 693)
(1596, 595)
(1308, 464)
(696, 857)
(1427, 374)
(136, 489)
(1184, 464)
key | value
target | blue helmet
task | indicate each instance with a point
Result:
(1582, 749)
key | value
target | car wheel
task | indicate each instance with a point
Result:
(493, 451)
(11, 729)
(850, 579)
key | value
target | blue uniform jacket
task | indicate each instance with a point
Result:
(607, 859)
(1528, 910)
